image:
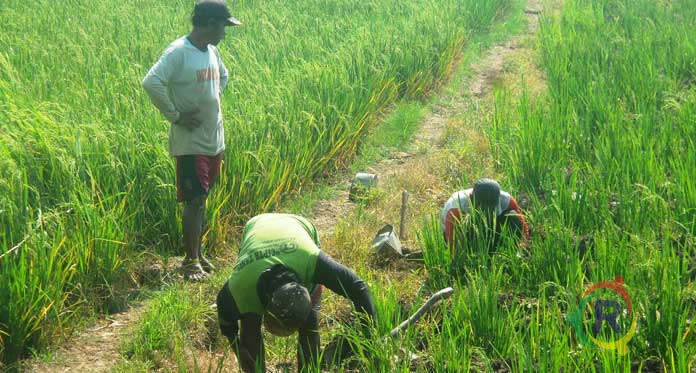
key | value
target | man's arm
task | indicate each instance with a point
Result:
(244, 358)
(308, 342)
(515, 218)
(247, 349)
(224, 74)
(250, 351)
(451, 222)
(156, 81)
(345, 283)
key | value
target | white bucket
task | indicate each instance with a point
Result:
(386, 242)
(361, 183)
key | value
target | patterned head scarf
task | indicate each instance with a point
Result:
(288, 308)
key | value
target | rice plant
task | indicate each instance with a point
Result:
(86, 180)
(605, 156)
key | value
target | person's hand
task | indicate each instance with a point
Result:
(246, 361)
(188, 120)
(339, 349)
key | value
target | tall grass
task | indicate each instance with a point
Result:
(607, 159)
(86, 180)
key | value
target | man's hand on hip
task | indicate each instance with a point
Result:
(189, 120)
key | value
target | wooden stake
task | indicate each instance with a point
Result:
(404, 202)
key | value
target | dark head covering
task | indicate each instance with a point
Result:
(217, 10)
(486, 195)
(290, 305)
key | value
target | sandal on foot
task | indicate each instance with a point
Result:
(193, 271)
(206, 264)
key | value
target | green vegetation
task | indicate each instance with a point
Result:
(606, 157)
(171, 313)
(385, 140)
(392, 134)
(86, 182)
(397, 295)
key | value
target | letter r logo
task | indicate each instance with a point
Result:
(609, 311)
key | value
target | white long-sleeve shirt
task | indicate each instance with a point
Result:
(187, 79)
(461, 202)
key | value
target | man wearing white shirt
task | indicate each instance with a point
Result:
(185, 85)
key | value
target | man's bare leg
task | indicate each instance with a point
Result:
(205, 263)
(192, 222)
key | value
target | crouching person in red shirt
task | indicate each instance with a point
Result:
(484, 207)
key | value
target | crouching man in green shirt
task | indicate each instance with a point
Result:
(278, 280)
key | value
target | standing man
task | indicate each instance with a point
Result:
(185, 85)
(277, 281)
(497, 208)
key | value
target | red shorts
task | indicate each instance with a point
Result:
(195, 175)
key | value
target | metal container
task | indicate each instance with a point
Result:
(361, 183)
(386, 242)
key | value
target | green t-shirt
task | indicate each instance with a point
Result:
(271, 239)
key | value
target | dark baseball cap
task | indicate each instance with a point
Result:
(486, 194)
(215, 9)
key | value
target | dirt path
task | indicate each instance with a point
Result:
(429, 139)
(97, 348)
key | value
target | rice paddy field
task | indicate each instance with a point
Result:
(605, 157)
(87, 185)
(608, 157)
